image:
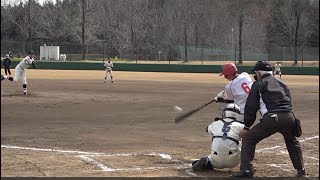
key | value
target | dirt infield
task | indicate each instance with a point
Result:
(73, 124)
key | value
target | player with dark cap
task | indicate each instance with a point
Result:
(20, 71)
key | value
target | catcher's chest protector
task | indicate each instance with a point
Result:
(225, 129)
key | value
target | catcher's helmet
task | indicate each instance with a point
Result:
(228, 69)
(262, 66)
(231, 111)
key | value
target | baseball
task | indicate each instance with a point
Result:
(177, 108)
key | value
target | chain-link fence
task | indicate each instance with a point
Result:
(166, 54)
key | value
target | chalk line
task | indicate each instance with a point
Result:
(101, 166)
(277, 147)
(50, 150)
(85, 156)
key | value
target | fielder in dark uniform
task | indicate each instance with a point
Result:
(7, 64)
(279, 118)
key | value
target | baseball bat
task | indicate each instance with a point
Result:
(183, 116)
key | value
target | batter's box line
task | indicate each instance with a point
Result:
(86, 157)
(105, 168)
(282, 146)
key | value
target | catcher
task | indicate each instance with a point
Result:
(20, 71)
(225, 141)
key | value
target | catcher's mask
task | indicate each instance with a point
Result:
(231, 111)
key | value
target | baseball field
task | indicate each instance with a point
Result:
(74, 124)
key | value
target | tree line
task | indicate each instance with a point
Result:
(127, 28)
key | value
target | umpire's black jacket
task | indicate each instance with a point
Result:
(7, 62)
(275, 94)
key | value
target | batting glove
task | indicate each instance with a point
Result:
(220, 95)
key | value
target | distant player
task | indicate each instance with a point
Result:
(225, 150)
(108, 68)
(7, 64)
(20, 71)
(277, 69)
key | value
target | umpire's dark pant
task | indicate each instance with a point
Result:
(7, 70)
(270, 124)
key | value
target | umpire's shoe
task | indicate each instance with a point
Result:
(243, 174)
(202, 164)
(301, 173)
(2, 77)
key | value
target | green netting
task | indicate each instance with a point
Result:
(274, 54)
(287, 53)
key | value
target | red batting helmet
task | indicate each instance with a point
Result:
(228, 69)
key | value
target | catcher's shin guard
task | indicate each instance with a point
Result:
(202, 164)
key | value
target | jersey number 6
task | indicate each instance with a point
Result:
(245, 87)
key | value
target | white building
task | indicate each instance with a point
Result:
(49, 52)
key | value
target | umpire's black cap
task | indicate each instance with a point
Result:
(262, 66)
(30, 52)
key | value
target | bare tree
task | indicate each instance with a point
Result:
(288, 25)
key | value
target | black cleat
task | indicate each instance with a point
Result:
(243, 174)
(301, 173)
(202, 164)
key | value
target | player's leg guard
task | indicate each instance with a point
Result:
(111, 79)
(202, 164)
(9, 71)
(25, 89)
(6, 71)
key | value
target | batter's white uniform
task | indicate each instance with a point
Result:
(238, 90)
(20, 70)
(108, 66)
(225, 152)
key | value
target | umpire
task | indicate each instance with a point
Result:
(7, 65)
(279, 118)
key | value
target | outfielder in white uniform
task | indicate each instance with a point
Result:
(108, 68)
(277, 69)
(238, 88)
(225, 150)
(20, 71)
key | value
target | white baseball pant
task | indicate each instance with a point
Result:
(108, 71)
(20, 73)
(225, 160)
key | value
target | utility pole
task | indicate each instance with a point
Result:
(29, 26)
(302, 54)
(235, 47)
(83, 30)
